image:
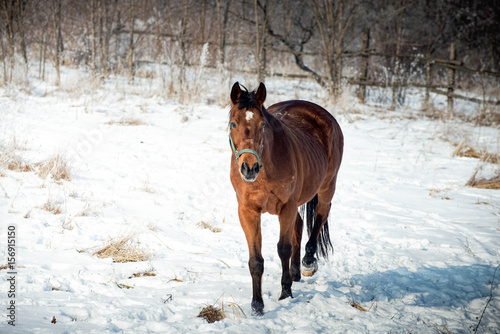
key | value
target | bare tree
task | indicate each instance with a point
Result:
(333, 19)
(294, 29)
(92, 36)
(131, 43)
(56, 18)
(222, 20)
(8, 16)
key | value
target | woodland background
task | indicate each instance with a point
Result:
(447, 47)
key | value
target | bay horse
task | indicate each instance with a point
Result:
(285, 157)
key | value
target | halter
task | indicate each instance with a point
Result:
(247, 150)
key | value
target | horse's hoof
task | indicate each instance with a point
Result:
(257, 309)
(309, 273)
(286, 293)
(309, 269)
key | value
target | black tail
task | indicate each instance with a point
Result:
(324, 244)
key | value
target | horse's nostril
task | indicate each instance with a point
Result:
(255, 168)
(244, 168)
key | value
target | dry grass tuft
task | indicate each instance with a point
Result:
(493, 158)
(57, 167)
(88, 211)
(207, 226)
(143, 274)
(52, 207)
(127, 120)
(13, 162)
(483, 183)
(146, 187)
(122, 250)
(213, 313)
(465, 150)
(357, 306)
(439, 327)
(438, 194)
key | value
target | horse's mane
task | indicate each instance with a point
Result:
(247, 99)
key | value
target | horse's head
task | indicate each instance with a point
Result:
(246, 129)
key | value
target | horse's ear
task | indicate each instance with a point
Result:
(235, 92)
(260, 96)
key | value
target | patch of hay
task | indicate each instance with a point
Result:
(207, 226)
(465, 150)
(491, 158)
(51, 207)
(127, 121)
(123, 250)
(13, 162)
(56, 167)
(213, 313)
(143, 274)
(484, 183)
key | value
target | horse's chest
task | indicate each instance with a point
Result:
(271, 203)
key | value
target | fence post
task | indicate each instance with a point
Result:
(427, 80)
(451, 80)
(364, 65)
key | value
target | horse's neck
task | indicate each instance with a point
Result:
(275, 138)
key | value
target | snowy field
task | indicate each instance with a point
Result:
(415, 249)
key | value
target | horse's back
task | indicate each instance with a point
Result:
(304, 115)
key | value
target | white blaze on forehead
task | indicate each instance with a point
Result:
(249, 115)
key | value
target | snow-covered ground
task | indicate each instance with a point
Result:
(415, 250)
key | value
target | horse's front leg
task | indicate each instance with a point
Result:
(250, 222)
(287, 218)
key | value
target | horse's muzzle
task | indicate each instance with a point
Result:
(249, 174)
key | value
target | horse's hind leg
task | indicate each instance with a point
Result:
(296, 243)
(318, 232)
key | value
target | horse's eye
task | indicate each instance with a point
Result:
(233, 124)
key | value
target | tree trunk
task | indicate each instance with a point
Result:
(56, 15)
(451, 81)
(159, 48)
(203, 20)
(4, 63)
(182, 40)
(100, 34)
(364, 65)
(221, 29)
(118, 39)
(8, 16)
(131, 43)
(41, 55)
(427, 81)
(92, 37)
(21, 13)
(399, 29)
(109, 18)
(260, 76)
